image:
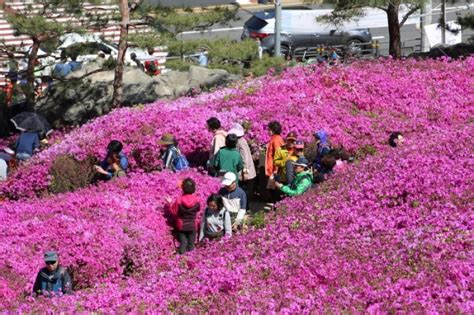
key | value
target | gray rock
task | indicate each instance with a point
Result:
(79, 98)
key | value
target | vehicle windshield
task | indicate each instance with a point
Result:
(255, 23)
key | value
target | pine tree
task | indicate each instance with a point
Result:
(347, 9)
(167, 23)
(39, 21)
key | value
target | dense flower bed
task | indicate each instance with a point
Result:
(391, 234)
(102, 233)
(359, 105)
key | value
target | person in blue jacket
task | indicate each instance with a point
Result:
(26, 145)
(114, 148)
(74, 65)
(52, 279)
(322, 146)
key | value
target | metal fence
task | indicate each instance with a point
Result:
(356, 50)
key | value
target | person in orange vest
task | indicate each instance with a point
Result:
(152, 66)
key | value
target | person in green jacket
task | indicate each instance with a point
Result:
(228, 159)
(302, 181)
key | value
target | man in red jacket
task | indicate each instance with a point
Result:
(184, 211)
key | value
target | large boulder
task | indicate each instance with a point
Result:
(87, 93)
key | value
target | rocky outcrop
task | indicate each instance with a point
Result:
(78, 99)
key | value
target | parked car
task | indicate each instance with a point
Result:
(89, 46)
(300, 29)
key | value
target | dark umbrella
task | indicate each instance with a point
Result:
(32, 122)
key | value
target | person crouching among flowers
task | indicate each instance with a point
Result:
(302, 181)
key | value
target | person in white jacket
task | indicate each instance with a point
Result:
(234, 198)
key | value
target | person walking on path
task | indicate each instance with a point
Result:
(62, 69)
(52, 279)
(185, 210)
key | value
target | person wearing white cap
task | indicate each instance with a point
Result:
(235, 199)
(247, 179)
(302, 181)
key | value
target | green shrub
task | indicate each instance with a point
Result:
(178, 64)
(231, 52)
(365, 150)
(258, 220)
(237, 57)
(109, 64)
(261, 66)
(69, 174)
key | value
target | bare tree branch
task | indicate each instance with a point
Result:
(407, 15)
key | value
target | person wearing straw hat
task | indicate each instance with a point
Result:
(168, 141)
(53, 278)
(302, 181)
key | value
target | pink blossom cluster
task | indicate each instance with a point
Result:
(102, 233)
(391, 234)
(359, 105)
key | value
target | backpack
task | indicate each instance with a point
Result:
(180, 162)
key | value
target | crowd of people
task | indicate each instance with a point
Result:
(287, 171)
(27, 144)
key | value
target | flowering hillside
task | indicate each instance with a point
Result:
(101, 232)
(391, 233)
(359, 105)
